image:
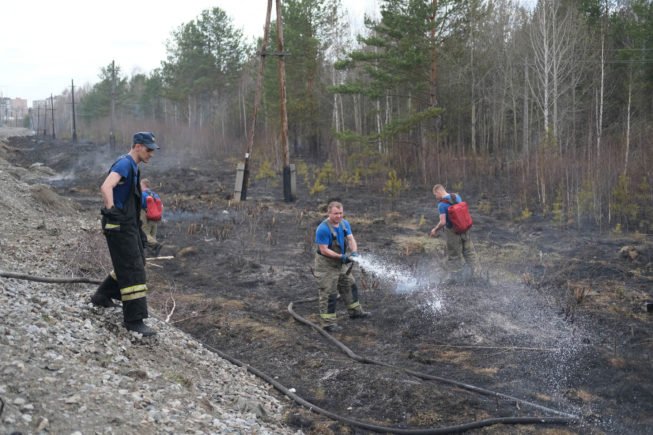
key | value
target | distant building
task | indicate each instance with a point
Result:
(5, 103)
(12, 110)
(19, 105)
(39, 103)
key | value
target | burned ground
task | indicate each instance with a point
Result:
(559, 322)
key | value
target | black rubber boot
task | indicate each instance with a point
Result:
(135, 310)
(105, 293)
(356, 313)
(360, 314)
(140, 327)
(99, 300)
(332, 328)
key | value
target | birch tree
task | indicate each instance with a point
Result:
(556, 41)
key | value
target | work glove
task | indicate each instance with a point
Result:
(354, 256)
(114, 215)
(109, 212)
(345, 259)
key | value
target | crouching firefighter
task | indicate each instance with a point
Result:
(121, 193)
(333, 267)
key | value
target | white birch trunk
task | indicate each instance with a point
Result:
(599, 115)
(630, 94)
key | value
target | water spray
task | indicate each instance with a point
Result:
(404, 281)
(401, 280)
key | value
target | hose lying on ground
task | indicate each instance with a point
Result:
(566, 419)
(50, 280)
(387, 429)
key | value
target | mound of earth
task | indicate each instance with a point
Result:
(68, 367)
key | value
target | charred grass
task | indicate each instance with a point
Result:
(560, 321)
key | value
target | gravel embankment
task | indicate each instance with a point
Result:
(68, 367)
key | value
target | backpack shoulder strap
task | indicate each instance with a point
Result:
(451, 200)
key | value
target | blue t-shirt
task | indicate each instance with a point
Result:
(443, 207)
(323, 234)
(124, 166)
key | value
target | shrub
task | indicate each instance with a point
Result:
(317, 187)
(626, 207)
(558, 209)
(265, 171)
(393, 185)
(324, 176)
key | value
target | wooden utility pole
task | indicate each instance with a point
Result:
(112, 137)
(52, 113)
(287, 190)
(45, 117)
(257, 101)
(72, 87)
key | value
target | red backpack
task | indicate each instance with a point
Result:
(154, 209)
(459, 216)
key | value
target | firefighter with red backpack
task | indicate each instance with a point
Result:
(457, 222)
(151, 214)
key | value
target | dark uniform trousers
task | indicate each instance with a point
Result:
(127, 281)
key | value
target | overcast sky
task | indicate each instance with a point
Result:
(46, 43)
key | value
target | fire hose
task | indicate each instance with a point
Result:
(564, 419)
(50, 280)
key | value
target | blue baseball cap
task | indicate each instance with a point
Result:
(146, 138)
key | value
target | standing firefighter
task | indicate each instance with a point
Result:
(121, 193)
(333, 267)
(456, 229)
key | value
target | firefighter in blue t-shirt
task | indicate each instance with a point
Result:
(459, 246)
(121, 194)
(333, 267)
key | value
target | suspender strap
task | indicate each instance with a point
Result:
(334, 235)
